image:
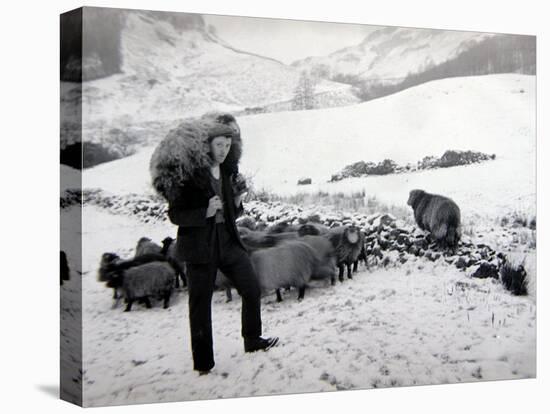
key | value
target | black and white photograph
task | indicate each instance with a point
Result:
(258, 206)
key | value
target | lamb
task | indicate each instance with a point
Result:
(146, 246)
(437, 214)
(291, 263)
(346, 240)
(169, 251)
(136, 280)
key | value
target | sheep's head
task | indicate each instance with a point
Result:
(415, 195)
(352, 234)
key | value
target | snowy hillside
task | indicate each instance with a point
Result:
(168, 73)
(389, 54)
(492, 114)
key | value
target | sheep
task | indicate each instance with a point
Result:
(64, 271)
(222, 282)
(135, 280)
(437, 214)
(363, 253)
(254, 240)
(281, 227)
(326, 255)
(291, 263)
(347, 242)
(169, 251)
(313, 229)
(145, 246)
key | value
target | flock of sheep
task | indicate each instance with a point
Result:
(283, 255)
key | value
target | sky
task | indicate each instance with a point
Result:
(287, 40)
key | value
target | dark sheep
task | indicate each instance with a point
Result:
(64, 271)
(169, 251)
(290, 264)
(437, 214)
(137, 280)
(146, 246)
(346, 240)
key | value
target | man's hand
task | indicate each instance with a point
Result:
(214, 204)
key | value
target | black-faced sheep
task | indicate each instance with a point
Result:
(145, 246)
(64, 271)
(169, 251)
(347, 243)
(291, 263)
(149, 275)
(437, 214)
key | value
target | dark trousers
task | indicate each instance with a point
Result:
(234, 262)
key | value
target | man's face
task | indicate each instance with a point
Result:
(219, 148)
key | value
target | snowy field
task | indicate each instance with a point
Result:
(421, 322)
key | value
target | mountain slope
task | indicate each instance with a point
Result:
(169, 71)
(388, 55)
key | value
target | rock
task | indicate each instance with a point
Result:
(486, 270)
(461, 263)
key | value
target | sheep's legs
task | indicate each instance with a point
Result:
(166, 300)
(301, 292)
(115, 295)
(341, 273)
(228, 295)
(147, 303)
(129, 305)
(355, 264)
(278, 293)
(349, 271)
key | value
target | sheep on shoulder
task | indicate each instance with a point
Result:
(147, 276)
(169, 251)
(346, 240)
(145, 246)
(291, 263)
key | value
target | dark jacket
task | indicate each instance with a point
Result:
(195, 231)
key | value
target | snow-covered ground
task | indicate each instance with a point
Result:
(418, 323)
(422, 322)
